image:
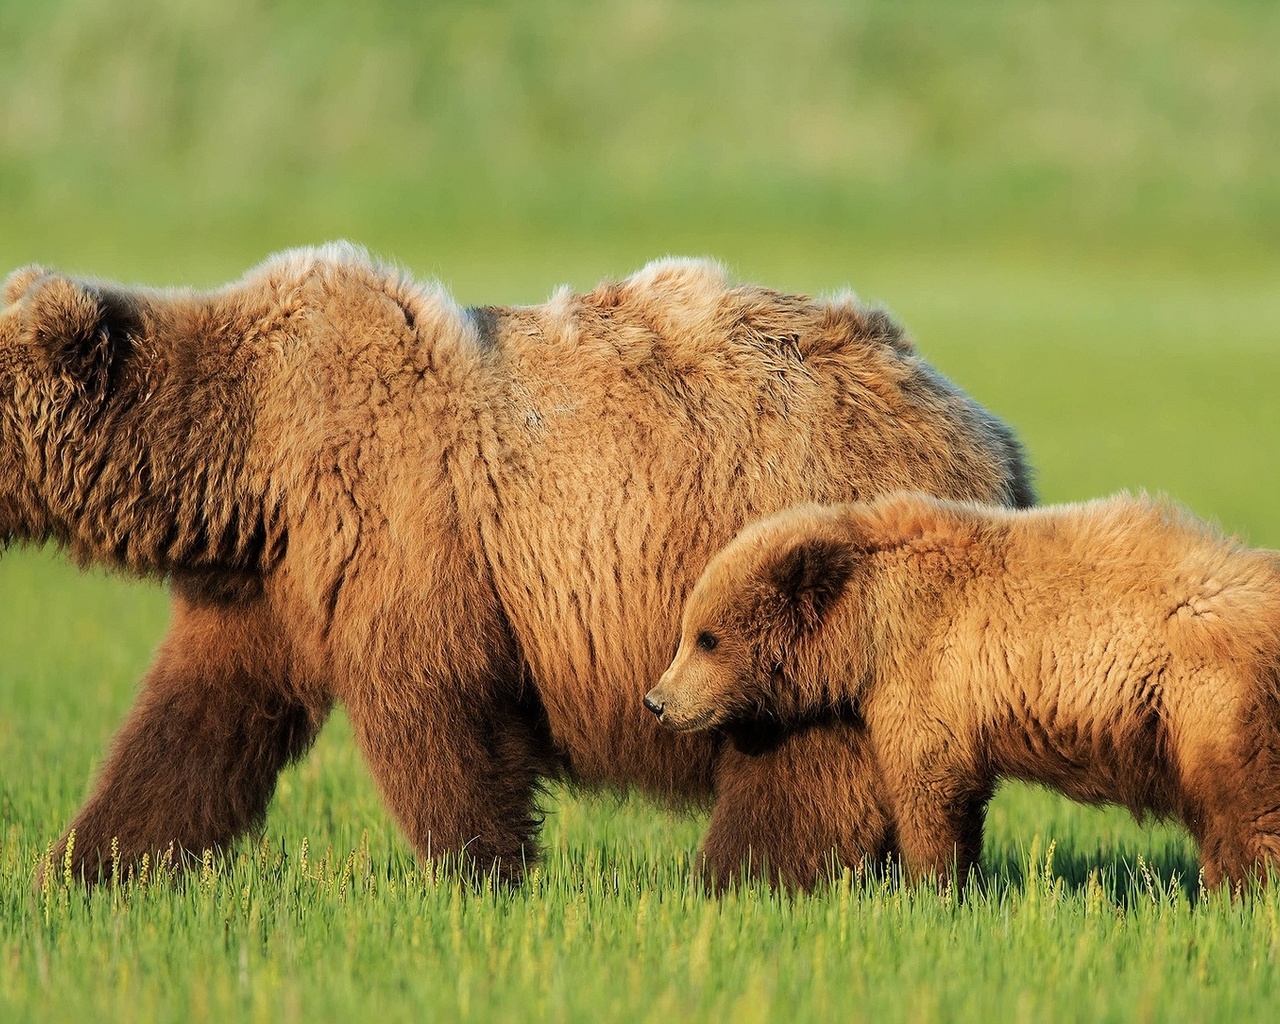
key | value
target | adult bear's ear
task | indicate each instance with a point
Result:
(17, 283)
(810, 575)
(67, 325)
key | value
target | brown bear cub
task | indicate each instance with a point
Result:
(1119, 651)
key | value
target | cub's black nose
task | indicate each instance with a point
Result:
(653, 705)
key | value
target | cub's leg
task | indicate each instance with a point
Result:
(1231, 850)
(459, 767)
(1234, 798)
(791, 812)
(940, 831)
(196, 761)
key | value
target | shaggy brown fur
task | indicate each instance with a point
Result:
(1118, 651)
(474, 528)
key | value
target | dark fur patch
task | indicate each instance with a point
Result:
(811, 576)
(486, 320)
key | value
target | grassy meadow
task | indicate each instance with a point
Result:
(1074, 208)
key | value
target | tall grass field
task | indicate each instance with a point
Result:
(1075, 210)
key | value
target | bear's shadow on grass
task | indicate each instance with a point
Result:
(1126, 877)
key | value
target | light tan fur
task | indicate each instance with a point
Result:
(473, 527)
(1118, 651)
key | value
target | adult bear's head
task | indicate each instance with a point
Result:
(55, 361)
(123, 433)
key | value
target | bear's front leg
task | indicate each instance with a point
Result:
(196, 762)
(792, 813)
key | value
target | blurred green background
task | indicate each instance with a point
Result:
(179, 132)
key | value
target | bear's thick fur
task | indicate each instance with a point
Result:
(473, 527)
(1119, 651)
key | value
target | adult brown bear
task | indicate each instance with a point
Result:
(473, 527)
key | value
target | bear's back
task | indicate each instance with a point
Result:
(1138, 589)
(680, 331)
(1070, 637)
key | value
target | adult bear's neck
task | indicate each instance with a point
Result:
(158, 473)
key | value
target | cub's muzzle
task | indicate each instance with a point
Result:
(655, 703)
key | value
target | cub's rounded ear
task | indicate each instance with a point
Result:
(811, 575)
(16, 284)
(68, 329)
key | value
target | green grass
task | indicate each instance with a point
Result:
(181, 140)
(1074, 208)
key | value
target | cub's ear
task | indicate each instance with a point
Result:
(68, 328)
(810, 575)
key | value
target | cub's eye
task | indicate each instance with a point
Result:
(708, 641)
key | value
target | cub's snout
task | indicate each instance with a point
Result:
(678, 702)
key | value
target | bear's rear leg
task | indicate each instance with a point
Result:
(1239, 831)
(196, 762)
(459, 773)
(808, 803)
(1229, 783)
